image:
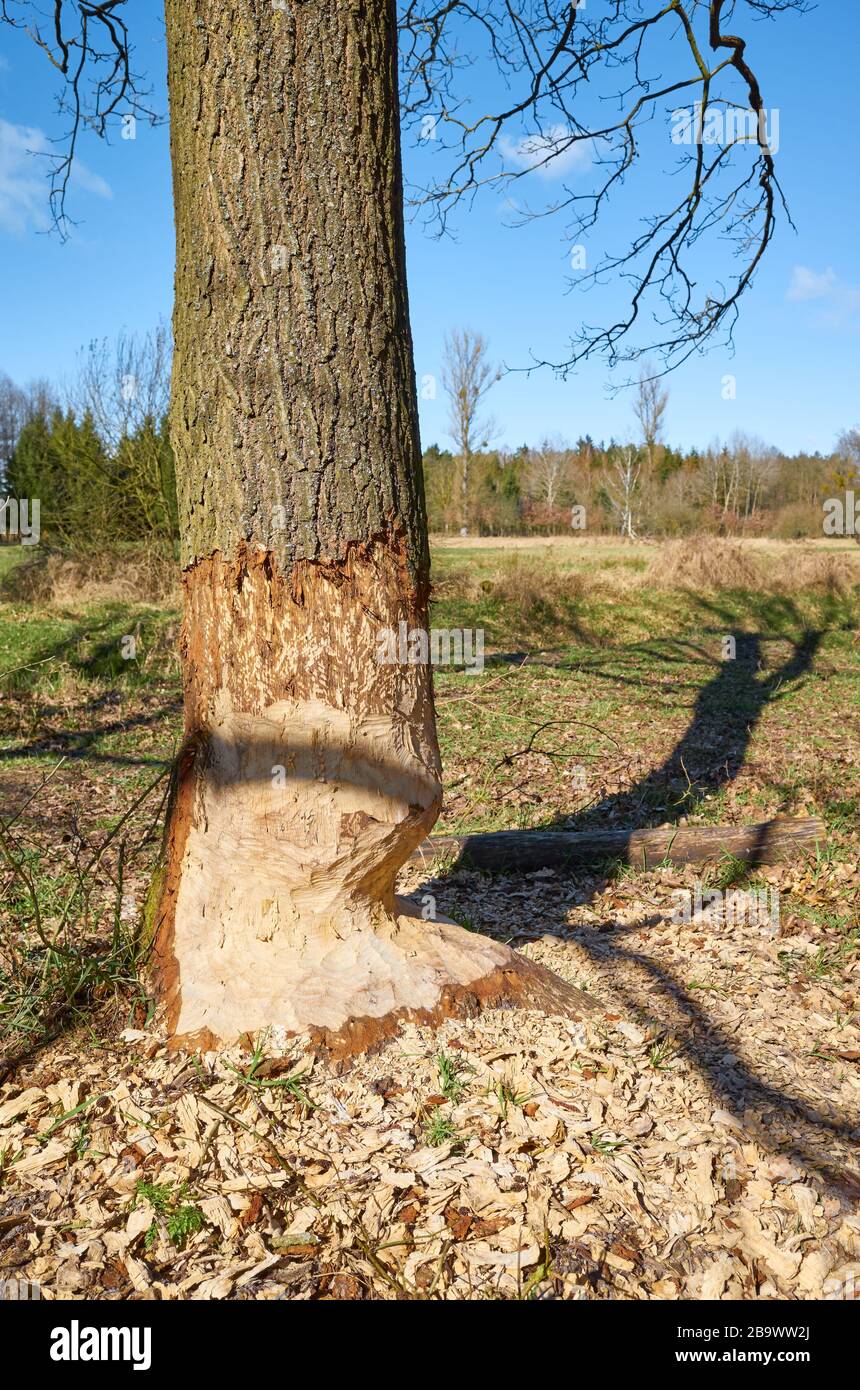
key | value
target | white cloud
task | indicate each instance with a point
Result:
(24, 187)
(811, 284)
(838, 301)
(551, 155)
(23, 190)
(91, 183)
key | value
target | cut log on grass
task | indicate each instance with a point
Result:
(766, 843)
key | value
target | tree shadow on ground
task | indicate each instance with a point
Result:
(93, 650)
(712, 750)
(82, 743)
(709, 755)
(711, 1050)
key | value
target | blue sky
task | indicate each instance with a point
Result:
(797, 344)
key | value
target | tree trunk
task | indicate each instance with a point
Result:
(310, 770)
(464, 494)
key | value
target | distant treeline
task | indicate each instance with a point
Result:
(100, 461)
(102, 466)
(86, 490)
(740, 488)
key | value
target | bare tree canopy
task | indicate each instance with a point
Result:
(548, 471)
(649, 408)
(587, 95)
(621, 483)
(848, 449)
(124, 384)
(467, 375)
(17, 406)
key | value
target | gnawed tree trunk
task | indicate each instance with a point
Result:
(310, 770)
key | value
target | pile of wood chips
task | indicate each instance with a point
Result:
(698, 1140)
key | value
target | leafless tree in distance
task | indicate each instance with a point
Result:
(649, 408)
(467, 375)
(622, 484)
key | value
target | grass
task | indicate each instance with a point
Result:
(65, 942)
(177, 1218)
(439, 1129)
(605, 1144)
(451, 1071)
(507, 1096)
(601, 662)
(10, 557)
(831, 961)
(593, 639)
(662, 1054)
(72, 1114)
(465, 921)
(705, 988)
(251, 1077)
(643, 661)
(730, 872)
(842, 814)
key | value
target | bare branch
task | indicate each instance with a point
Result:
(88, 45)
(586, 100)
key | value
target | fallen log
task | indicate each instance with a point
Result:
(766, 843)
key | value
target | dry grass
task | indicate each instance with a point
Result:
(709, 563)
(704, 563)
(128, 574)
(460, 582)
(527, 583)
(529, 590)
(518, 574)
(836, 573)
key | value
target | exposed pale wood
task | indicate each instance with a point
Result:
(765, 843)
(310, 775)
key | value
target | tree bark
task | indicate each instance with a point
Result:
(310, 770)
(464, 494)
